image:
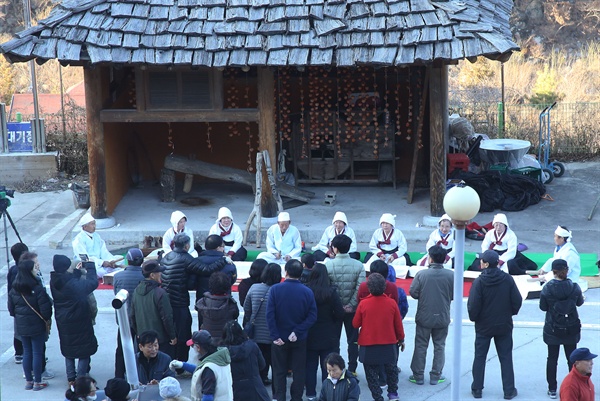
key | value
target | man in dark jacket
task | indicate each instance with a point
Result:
(433, 288)
(177, 279)
(151, 308)
(493, 300)
(74, 317)
(128, 280)
(291, 311)
(152, 364)
(213, 259)
(16, 251)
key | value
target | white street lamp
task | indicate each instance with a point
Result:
(461, 203)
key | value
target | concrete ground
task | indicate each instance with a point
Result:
(45, 222)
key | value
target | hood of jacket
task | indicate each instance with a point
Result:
(146, 286)
(175, 217)
(240, 352)
(561, 289)
(493, 276)
(220, 357)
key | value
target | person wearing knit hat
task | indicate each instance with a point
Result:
(73, 314)
(564, 249)
(388, 244)
(117, 389)
(178, 226)
(442, 236)
(559, 299)
(283, 241)
(504, 241)
(170, 389)
(231, 233)
(88, 242)
(339, 225)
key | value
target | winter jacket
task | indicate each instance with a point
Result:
(151, 310)
(216, 310)
(291, 307)
(253, 309)
(206, 264)
(345, 389)
(346, 274)
(379, 321)
(493, 300)
(27, 322)
(244, 287)
(433, 288)
(246, 363)
(128, 280)
(577, 387)
(553, 292)
(324, 335)
(221, 386)
(156, 368)
(73, 316)
(177, 278)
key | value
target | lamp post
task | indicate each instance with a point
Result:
(461, 203)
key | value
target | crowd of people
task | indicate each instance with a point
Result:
(291, 327)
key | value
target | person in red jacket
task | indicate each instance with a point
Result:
(577, 385)
(381, 331)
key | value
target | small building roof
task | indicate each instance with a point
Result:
(221, 33)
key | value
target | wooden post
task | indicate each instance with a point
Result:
(266, 135)
(438, 106)
(95, 140)
(167, 185)
(415, 160)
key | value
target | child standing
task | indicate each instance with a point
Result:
(339, 386)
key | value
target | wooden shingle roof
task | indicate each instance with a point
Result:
(219, 33)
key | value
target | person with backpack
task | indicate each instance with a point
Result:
(560, 298)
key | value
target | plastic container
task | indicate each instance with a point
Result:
(457, 161)
(531, 172)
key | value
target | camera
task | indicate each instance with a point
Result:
(6, 192)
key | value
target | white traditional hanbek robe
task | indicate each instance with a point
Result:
(328, 235)
(378, 246)
(172, 232)
(234, 236)
(288, 244)
(94, 247)
(436, 238)
(566, 252)
(506, 242)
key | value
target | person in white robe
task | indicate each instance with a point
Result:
(231, 234)
(283, 241)
(178, 226)
(564, 250)
(339, 225)
(88, 242)
(388, 244)
(442, 236)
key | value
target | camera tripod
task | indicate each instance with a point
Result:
(6, 215)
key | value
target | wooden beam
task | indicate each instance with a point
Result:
(135, 116)
(95, 140)
(266, 135)
(438, 106)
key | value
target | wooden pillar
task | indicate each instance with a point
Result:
(95, 141)
(266, 135)
(438, 111)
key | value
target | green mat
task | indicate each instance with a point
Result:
(588, 260)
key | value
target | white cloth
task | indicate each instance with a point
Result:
(328, 235)
(434, 238)
(172, 232)
(235, 235)
(95, 248)
(569, 253)
(288, 244)
(224, 387)
(509, 244)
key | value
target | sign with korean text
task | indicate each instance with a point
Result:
(19, 137)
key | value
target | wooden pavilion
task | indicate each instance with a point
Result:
(339, 91)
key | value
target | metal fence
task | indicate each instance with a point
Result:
(574, 127)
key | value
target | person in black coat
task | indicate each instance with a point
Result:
(16, 251)
(74, 317)
(323, 335)
(560, 297)
(493, 300)
(31, 306)
(256, 269)
(246, 363)
(128, 280)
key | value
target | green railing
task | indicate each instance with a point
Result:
(574, 127)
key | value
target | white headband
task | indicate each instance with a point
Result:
(561, 232)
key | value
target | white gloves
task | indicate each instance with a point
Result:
(228, 259)
(175, 365)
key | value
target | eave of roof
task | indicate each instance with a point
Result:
(221, 33)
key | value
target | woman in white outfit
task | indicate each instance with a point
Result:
(283, 241)
(565, 250)
(339, 225)
(178, 222)
(231, 234)
(388, 244)
(442, 236)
